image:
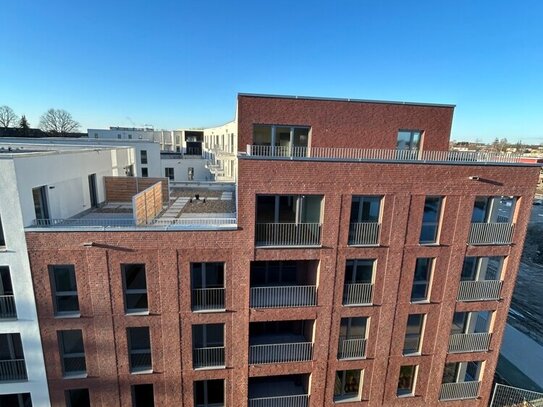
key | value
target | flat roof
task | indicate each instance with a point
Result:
(386, 102)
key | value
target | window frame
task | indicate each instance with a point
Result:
(2, 236)
(134, 291)
(56, 293)
(437, 223)
(131, 351)
(74, 355)
(68, 399)
(206, 402)
(409, 336)
(413, 382)
(343, 396)
(428, 282)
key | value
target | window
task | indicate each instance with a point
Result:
(406, 381)
(41, 207)
(358, 284)
(347, 385)
(365, 209)
(408, 140)
(207, 286)
(144, 172)
(143, 395)
(130, 136)
(2, 239)
(190, 174)
(430, 220)
(413, 334)
(460, 372)
(209, 393)
(95, 135)
(77, 398)
(7, 300)
(143, 155)
(11, 355)
(16, 400)
(118, 136)
(208, 345)
(168, 173)
(490, 209)
(352, 338)
(139, 349)
(471, 322)
(482, 268)
(288, 208)
(72, 352)
(421, 281)
(135, 288)
(64, 289)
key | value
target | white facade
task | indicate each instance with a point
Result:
(220, 149)
(182, 166)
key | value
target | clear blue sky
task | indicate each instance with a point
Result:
(180, 63)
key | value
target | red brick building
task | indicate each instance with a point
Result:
(369, 266)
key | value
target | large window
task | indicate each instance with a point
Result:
(143, 155)
(365, 209)
(430, 220)
(490, 209)
(408, 140)
(482, 268)
(413, 334)
(347, 385)
(169, 173)
(208, 345)
(64, 290)
(144, 172)
(7, 300)
(139, 349)
(406, 381)
(72, 352)
(135, 288)
(352, 338)
(209, 393)
(143, 395)
(359, 271)
(77, 398)
(285, 140)
(288, 208)
(2, 239)
(421, 281)
(207, 286)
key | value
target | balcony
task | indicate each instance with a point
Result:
(283, 296)
(484, 290)
(357, 294)
(208, 358)
(288, 234)
(351, 348)
(364, 234)
(7, 307)
(279, 391)
(459, 391)
(491, 233)
(13, 370)
(300, 400)
(470, 342)
(280, 353)
(207, 299)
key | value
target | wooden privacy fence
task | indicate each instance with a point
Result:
(147, 204)
(122, 189)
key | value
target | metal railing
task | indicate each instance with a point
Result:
(7, 307)
(12, 370)
(288, 234)
(357, 294)
(205, 299)
(283, 296)
(280, 352)
(459, 391)
(208, 357)
(473, 342)
(141, 361)
(484, 290)
(300, 400)
(491, 233)
(508, 396)
(352, 347)
(338, 153)
(108, 223)
(364, 233)
(74, 365)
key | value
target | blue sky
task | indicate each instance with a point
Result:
(178, 64)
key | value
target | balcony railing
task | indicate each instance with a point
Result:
(288, 234)
(280, 353)
(74, 365)
(350, 154)
(352, 348)
(459, 391)
(364, 233)
(141, 361)
(7, 307)
(284, 296)
(210, 357)
(484, 290)
(357, 294)
(300, 400)
(474, 342)
(491, 233)
(205, 299)
(112, 224)
(12, 370)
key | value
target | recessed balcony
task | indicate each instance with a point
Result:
(279, 391)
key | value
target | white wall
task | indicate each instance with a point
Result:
(16, 258)
(181, 166)
(220, 148)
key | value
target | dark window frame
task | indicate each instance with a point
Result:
(58, 293)
(134, 291)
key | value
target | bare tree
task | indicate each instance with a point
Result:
(7, 116)
(58, 121)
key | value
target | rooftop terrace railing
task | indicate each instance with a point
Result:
(349, 154)
(508, 396)
(111, 223)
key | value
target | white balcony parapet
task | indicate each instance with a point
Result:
(484, 290)
(288, 234)
(357, 294)
(352, 348)
(491, 233)
(209, 357)
(207, 299)
(473, 342)
(300, 400)
(459, 390)
(280, 353)
(350, 154)
(13, 370)
(364, 233)
(7, 307)
(283, 296)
